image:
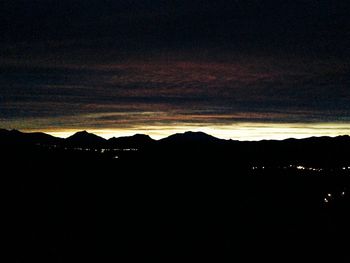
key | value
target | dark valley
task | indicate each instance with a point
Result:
(190, 197)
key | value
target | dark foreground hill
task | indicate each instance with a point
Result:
(194, 201)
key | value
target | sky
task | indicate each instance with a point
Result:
(246, 70)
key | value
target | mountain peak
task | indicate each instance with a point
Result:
(84, 138)
(14, 131)
(198, 134)
(190, 137)
(82, 133)
(134, 141)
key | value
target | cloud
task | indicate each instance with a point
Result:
(177, 91)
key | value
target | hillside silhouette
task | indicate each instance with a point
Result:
(17, 137)
(190, 197)
(321, 151)
(85, 139)
(135, 141)
(190, 138)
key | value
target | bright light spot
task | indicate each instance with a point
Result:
(326, 200)
(329, 195)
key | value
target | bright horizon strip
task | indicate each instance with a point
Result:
(237, 131)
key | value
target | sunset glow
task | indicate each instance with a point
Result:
(226, 77)
(238, 131)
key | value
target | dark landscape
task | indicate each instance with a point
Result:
(241, 116)
(187, 198)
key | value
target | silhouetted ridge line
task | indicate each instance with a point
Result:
(17, 137)
(190, 137)
(90, 140)
(83, 138)
(135, 141)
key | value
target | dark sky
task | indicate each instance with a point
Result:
(161, 65)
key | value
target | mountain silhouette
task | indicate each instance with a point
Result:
(314, 149)
(190, 138)
(17, 137)
(135, 141)
(83, 138)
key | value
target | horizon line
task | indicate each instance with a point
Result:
(110, 133)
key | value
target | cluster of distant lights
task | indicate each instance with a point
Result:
(329, 197)
(105, 151)
(95, 150)
(299, 167)
(334, 196)
(108, 150)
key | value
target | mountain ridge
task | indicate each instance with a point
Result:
(190, 137)
(18, 137)
(84, 138)
(133, 141)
